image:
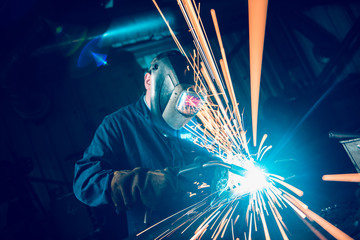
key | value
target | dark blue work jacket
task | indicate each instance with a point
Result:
(126, 139)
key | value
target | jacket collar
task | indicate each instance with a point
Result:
(142, 107)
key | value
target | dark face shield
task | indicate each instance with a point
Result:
(183, 105)
(173, 103)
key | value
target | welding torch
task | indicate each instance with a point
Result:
(197, 166)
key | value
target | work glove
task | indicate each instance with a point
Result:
(153, 189)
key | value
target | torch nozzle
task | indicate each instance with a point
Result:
(231, 167)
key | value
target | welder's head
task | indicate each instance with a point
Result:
(172, 98)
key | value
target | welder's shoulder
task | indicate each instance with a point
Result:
(121, 116)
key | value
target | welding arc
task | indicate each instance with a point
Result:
(257, 21)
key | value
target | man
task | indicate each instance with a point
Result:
(131, 162)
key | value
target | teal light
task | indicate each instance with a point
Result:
(132, 30)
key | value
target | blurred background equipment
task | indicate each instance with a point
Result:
(352, 148)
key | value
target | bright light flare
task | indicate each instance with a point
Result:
(255, 180)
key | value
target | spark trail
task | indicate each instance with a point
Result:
(245, 205)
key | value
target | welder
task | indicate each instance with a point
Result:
(134, 157)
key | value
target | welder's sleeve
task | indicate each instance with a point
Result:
(93, 173)
(153, 189)
(97, 181)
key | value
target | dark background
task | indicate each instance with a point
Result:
(53, 96)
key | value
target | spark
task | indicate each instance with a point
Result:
(220, 130)
(350, 177)
(257, 22)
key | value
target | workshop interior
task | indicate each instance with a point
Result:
(67, 64)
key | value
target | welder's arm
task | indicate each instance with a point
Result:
(96, 181)
(93, 173)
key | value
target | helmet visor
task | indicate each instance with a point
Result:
(189, 103)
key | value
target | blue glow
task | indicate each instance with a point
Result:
(99, 58)
(131, 30)
(291, 132)
(186, 136)
(91, 53)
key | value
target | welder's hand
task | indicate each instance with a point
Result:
(153, 189)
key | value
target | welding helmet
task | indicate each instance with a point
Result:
(173, 99)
